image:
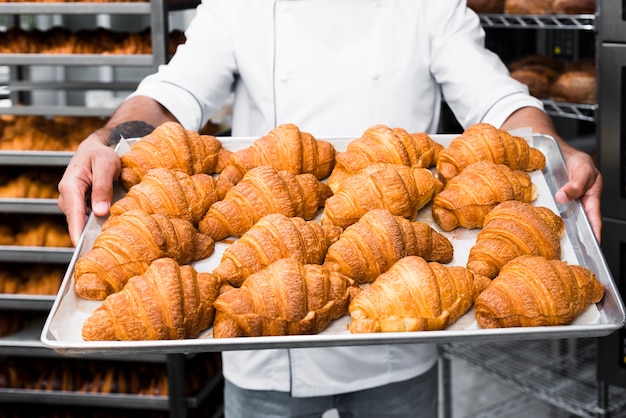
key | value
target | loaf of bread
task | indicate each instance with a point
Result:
(528, 7)
(574, 6)
(575, 86)
(486, 6)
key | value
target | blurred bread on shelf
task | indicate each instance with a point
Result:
(544, 7)
(486, 6)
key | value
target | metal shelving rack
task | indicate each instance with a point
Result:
(26, 343)
(586, 22)
(560, 372)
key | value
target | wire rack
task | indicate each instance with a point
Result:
(560, 372)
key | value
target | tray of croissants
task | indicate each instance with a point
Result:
(291, 240)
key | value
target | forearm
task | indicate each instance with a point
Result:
(136, 117)
(539, 122)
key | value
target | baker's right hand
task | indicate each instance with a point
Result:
(88, 177)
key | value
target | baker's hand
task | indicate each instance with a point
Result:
(585, 183)
(88, 176)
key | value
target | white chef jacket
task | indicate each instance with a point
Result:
(334, 68)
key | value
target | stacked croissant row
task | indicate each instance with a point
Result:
(312, 234)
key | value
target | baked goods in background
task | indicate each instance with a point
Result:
(574, 6)
(170, 193)
(484, 142)
(35, 183)
(127, 246)
(273, 237)
(369, 247)
(170, 146)
(415, 295)
(39, 133)
(102, 377)
(512, 229)
(285, 298)
(548, 78)
(62, 40)
(285, 147)
(400, 189)
(528, 7)
(263, 190)
(486, 6)
(534, 291)
(382, 144)
(167, 302)
(575, 86)
(544, 7)
(34, 230)
(31, 279)
(481, 186)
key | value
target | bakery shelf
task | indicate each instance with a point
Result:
(130, 60)
(27, 302)
(127, 8)
(559, 372)
(576, 22)
(47, 110)
(16, 253)
(586, 112)
(129, 401)
(29, 8)
(17, 205)
(35, 158)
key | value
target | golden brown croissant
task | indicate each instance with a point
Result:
(512, 229)
(284, 148)
(264, 190)
(170, 193)
(532, 291)
(483, 141)
(273, 237)
(285, 298)
(128, 244)
(369, 247)
(382, 144)
(468, 197)
(170, 146)
(398, 188)
(167, 302)
(415, 295)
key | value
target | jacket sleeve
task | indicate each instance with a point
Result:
(474, 81)
(198, 79)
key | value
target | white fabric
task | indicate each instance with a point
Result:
(334, 68)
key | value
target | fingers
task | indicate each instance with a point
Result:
(585, 183)
(91, 170)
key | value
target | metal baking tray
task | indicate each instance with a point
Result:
(62, 329)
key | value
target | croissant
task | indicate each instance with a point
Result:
(381, 144)
(170, 193)
(170, 146)
(532, 291)
(398, 188)
(415, 295)
(284, 148)
(273, 237)
(512, 229)
(468, 197)
(372, 245)
(128, 244)
(286, 298)
(167, 302)
(263, 190)
(483, 141)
